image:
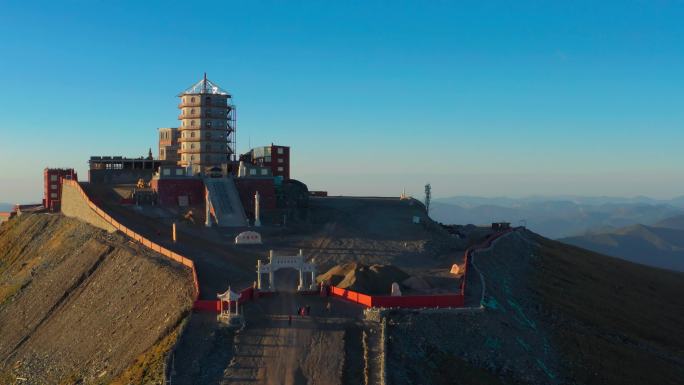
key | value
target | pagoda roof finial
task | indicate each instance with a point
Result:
(205, 86)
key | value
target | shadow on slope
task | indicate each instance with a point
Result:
(615, 322)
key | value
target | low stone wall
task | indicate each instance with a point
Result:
(76, 205)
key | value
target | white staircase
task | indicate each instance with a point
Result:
(225, 200)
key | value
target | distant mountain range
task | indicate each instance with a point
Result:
(557, 217)
(6, 206)
(659, 245)
(472, 201)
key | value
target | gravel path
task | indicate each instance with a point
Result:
(270, 351)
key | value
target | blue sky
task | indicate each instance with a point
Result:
(478, 98)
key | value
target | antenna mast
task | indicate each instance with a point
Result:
(428, 197)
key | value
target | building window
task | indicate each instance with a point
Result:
(192, 100)
(53, 187)
(53, 178)
(252, 171)
(192, 122)
(166, 171)
(281, 168)
(281, 150)
(267, 159)
(281, 160)
(161, 152)
(209, 123)
(208, 135)
(192, 133)
(264, 171)
(192, 146)
(192, 111)
(192, 157)
(179, 171)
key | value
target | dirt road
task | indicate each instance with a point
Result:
(316, 349)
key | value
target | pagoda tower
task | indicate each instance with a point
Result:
(207, 127)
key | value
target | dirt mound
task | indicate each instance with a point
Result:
(80, 305)
(374, 279)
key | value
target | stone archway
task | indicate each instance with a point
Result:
(276, 262)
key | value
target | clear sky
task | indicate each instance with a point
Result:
(477, 97)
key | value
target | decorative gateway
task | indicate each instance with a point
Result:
(248, 238)
(277, 262)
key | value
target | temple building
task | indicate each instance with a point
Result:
(206, 133)
(168, 144)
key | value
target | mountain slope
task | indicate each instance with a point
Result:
(615, 321)
(676, 222)
(649, 245)
(553, 314)
(79, 305)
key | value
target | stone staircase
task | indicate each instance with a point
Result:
(225, 200)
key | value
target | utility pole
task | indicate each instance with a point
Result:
(428, 197)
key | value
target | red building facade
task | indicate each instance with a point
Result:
(52, 186)
(247, 187)
(277, 158)
(176, 192)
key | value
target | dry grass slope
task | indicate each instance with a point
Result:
(79, 304)
(615, 322)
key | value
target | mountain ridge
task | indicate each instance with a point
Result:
(653, 245)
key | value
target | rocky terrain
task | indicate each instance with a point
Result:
(321, 348)
(552, 314)
(79, 305)
(372, 242)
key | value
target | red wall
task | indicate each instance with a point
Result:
(168, 190)
(406, 301)
(247, 187)
(418, 301)
(214, 306)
